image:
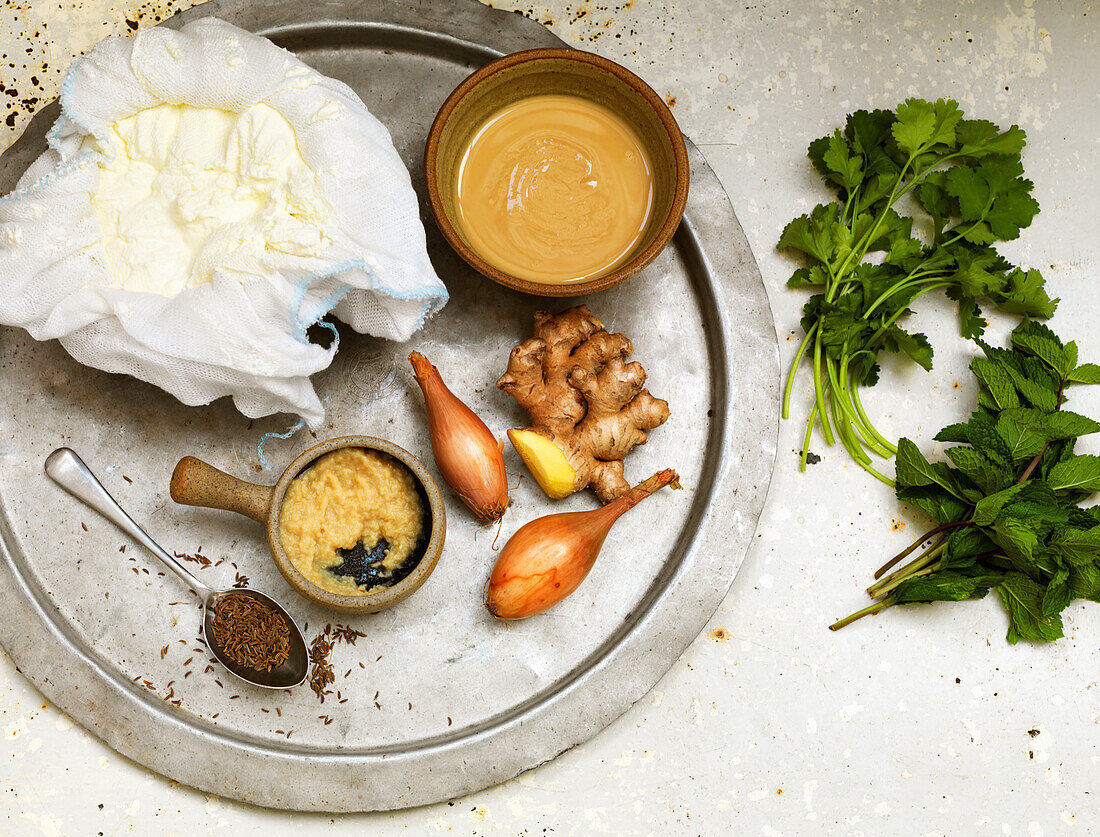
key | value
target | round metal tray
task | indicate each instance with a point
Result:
(437, 699)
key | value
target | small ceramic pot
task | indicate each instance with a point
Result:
(195, 483)
(571, 72)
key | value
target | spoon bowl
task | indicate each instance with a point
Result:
(292, 670)
(68, 470)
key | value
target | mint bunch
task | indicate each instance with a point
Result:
(1008, 503)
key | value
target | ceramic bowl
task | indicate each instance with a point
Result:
(195, 483)
(559, 71)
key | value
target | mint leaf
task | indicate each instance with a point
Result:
(1076, 546)
(1023, 599)
(1036, 339)
(947, 586)
(1058, 594)
(1086, 373)
(1024, 431)
(988, 508)
(913, 470)
(997, 381)
(1084, 582)
(1078, 472)
(939, 504)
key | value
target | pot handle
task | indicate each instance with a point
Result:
(195, 483)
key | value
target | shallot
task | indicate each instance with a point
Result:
(548, 558)
(470, 459)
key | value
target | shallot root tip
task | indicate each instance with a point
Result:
(422, 367)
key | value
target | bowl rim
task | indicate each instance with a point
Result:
(374, 602)
(625, 270)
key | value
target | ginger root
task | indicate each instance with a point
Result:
(587, 405)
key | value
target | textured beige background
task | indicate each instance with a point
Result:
(919, 722)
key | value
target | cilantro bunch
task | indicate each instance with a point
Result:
(965, 179)
(1008, 506)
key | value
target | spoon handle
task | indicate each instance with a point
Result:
(69, 471)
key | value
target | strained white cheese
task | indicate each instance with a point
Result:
(185, 192)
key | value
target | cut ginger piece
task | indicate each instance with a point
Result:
(588, 406)
(546, 462)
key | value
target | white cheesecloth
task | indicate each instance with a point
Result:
(243, 337)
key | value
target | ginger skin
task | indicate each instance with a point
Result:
(573, 380)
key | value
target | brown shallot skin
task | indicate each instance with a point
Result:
(548, 558)
(469, 457)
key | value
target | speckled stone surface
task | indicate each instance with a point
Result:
(918, 722)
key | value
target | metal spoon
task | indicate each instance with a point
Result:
(68, 470)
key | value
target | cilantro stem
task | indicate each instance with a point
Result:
(819, 392)
(886, 325)
(805, 344)
(806, 439)
(869, 236)
(877, 475)
(906, 282)
(892, 448)
(840, 391)
(844, 430)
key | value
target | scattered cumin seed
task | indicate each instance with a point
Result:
(128, 479)
(164, 652)
(234, 697)
(219, 682)
(84, 526)
(278, 711)
(216, 714)
(187, 662)
(448, 720)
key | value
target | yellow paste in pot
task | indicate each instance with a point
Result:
(349, 496)
(554, 189)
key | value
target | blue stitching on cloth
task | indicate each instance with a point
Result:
(268, 436)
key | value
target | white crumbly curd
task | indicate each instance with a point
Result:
(185, 192)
